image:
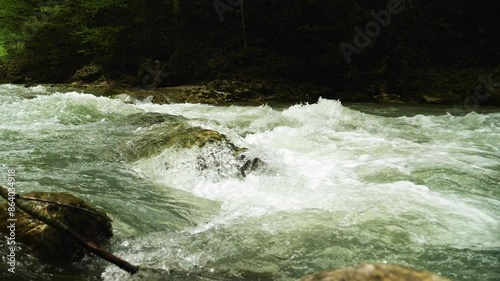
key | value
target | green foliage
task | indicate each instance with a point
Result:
(93, 7)
(287, 39)
(100, 39)
(3, 53)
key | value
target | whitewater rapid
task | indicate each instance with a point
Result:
(342, 184)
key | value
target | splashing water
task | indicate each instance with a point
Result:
(342, 185)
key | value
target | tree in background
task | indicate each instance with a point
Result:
(290, 40)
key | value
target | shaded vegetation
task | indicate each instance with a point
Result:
(436, 47)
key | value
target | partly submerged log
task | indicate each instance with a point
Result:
(47, 242)
(375, 272)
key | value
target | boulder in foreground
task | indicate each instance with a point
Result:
(49, 244)
(375, 272)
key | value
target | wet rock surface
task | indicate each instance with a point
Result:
(375, 272)
(161, 131)
(49, 244)
(223, 92)
(88, 73)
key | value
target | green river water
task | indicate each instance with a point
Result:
(343, 185)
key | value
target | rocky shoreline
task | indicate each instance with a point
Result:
(258, 92)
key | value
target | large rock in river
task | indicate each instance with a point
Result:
(49, 244)
(375, 272)
(161, 131)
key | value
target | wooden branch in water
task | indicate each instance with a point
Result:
(90, 246)
(62, 205)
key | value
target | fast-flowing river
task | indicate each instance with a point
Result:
(342, 185)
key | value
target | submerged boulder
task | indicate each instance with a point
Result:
(49, 244)
(167, 131)
(157, 138)
(375, 272)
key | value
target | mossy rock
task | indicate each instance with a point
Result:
(49, 244)
(177, 135)
(162, 131)
(375, 272)
(148, 119)
(88, 73)
(167, 131)
(187, 137)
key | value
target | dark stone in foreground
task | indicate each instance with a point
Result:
(51, 245)
(374, 272)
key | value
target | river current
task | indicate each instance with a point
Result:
(343, 185)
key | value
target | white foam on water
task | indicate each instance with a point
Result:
(328, 166)
(318, 153)
(60, 108)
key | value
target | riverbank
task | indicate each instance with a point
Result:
(252, 91)
(265, 52)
